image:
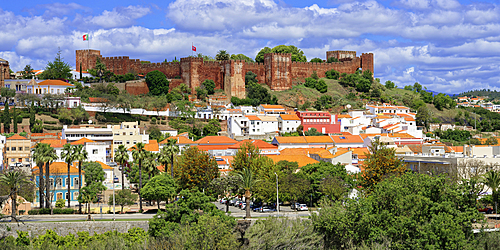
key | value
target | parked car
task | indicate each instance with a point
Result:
(223, 201)
(116, 179)
(294, 205)
(267, 209)
(233, 201)
(257, 209)
(243, 205)
(485, 210)
(302, 207)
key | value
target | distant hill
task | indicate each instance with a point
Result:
(483, 92)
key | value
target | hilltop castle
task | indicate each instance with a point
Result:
(277, 71)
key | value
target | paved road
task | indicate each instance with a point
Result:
(284, 211)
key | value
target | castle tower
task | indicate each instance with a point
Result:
(278, 67)
(234, 78)
(4, 71)
(367, 62)
(86, 58)
(191, 70)
(341, 55)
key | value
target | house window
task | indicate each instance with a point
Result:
(67, 181)
(128, 142)
(95, 151)
(27, 159)
(58, 181)
(26, 148)
(75, 195)
(52, 91)
(7, 148)
(135, 142)
(75, 182)
(131, 133)
(67, 194)
(13, 149)
(20, 148)
(51, 182)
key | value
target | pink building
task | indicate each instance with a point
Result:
(322, 121)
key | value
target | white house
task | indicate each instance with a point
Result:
(288, 123)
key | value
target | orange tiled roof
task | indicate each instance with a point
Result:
(212, 147)
(318, 139)
(104, 166)
(216, 140)
(17, 137)
(81, 141)
(55, 143)
(258, 143)
(55, 83)
(343, 116)
(290, 139)
(152, 146)
(59, 168)
(97, 99)
(179, 139)
(290, 117)
(300, 151)
(409, 119)
(361, 152)
(252, 118)
(272, 106)
(302, 160)
(340, 151)
(347, 139)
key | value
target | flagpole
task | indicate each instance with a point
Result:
(192, 51)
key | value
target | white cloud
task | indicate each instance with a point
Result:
(119, 17)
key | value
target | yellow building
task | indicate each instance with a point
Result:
(128, 134)
(17, 151)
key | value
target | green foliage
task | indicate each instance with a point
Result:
(297, 54)
(241, 57)
(411, 212)
(256, 95)
(222, 55)
(316, 60)
(324, 102)
(455, 135)
(443, 101)
(196, 169)
(332, 74)
(390, 84)
(321, 86)
(332, 59)
(362, 82)
(250, 77)
(283, 233)
(60, 203)
(28, 72)
(212, 127)
(157, 83)
(312, 132)
(209, 86)
(57, 69)
(160, 188)
(123, 198)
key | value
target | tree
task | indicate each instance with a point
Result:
(196, 169)
(241, 57)
(222, 55)
(260, 56)
(160, 188)
(492, 180)
(225, 186)
(32, 115)
(334, 187)
(297, 54)
(430, 210)
(250, 77)
(321, 86)
(38, 158)
(389, 85)
(94, 175)
(295, 186)
(124, 197)
(247, 183)
(14, 180)
(14, 118)
(491, 141)
(57, 69)
(381, 163)
(6, 118)
(332, 59)
(312, 132)
(212, 127)
(28, 72)
(80, 155)
(201, 93)
(67, 155)
(121, 157)
(167, 153)
(423, 117)
(332, 74)
(209, 86)
(157, 83)
(139, 153)
(316, 60)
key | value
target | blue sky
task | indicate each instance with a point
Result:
(446, 45)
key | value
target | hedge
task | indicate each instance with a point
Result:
(47, 127)
(55, 211)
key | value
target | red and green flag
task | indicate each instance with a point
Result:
(86, 37)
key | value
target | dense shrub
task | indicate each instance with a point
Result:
(49, 122)
(47, 127)
(55, 211)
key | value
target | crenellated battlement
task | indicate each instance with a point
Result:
(277, 70)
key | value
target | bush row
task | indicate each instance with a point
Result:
(55, 211)
(48, 127)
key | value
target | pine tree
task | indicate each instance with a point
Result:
(32, 115)
(14, 117)
(6, 118)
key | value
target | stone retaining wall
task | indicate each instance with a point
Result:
(65, 228)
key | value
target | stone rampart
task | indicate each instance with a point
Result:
(65, 228)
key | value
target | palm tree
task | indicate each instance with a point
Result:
(492, 180)
(49, 155)
(79, 154)
(247, 182)
(139, 154)
(14, 180)
(121, 157)
(171, 150)
(68, 156)
(38, 151)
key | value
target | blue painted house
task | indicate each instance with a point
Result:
(58, 181)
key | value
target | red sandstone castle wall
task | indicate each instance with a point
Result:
(137, 88)
(257, 68)
(302, 70)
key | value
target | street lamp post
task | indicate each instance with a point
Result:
(113, 183)
(277, 196)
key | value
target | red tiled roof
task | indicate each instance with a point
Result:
(81, 141)
(17, 137)
(302, 160)
(55, 143)
(216, 140)
(55, 83)
(258, 143)
(97, 99)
